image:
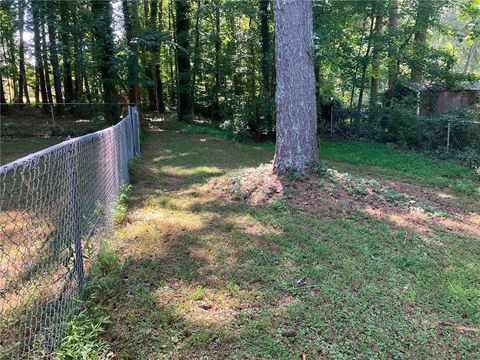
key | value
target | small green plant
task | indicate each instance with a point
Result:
(121, 207)
(394, 195)
(377, 187)
(320, 168)
(428, 208)
(133, 164)
(83, 340)
(296, 175)
(279, 204)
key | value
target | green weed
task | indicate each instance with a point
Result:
(121, 207)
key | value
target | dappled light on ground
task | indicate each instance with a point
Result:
(219, 258)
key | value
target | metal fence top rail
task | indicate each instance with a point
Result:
(4, 169)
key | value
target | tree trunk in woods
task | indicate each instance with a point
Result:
(39, 71)
(130, 15)
(364, 72)
(105, 51)
(254, 123)
(172, 55)
(392, 49)
(158, 5)
(357, 66)
(22, 81)
(182, 24)
(78, 67)
(196, 51)
(66, 53)
(471, 56)
(266, 61)
(52, 37)
(151, 23)
(11, 49)
(377, 48)
(296, 145)
(216, 104)
(416, 74)
(48, 86)
(424, 8)
(3, 98)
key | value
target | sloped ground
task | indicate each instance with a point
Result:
(219, 259)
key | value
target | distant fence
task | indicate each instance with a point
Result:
(459, 136)
(54, 204)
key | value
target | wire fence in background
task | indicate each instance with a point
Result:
(49, 119)
(455, 137)
(54, 206)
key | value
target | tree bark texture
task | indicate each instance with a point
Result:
(296, 138)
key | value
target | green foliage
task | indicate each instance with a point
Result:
(84, 332)
(121, 203)
(83, 340)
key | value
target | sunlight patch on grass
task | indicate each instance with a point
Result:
(206, 273)
(189, 171)
(199, 304)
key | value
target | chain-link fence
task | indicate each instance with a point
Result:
(463, 135)
(446, 135)
(54, 205)
(55, 120)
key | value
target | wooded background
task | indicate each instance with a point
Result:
(215, 57)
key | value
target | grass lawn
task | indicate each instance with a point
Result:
(15, 148)
(375, 158)
(217, 259)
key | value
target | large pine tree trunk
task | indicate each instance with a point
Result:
(182, 24)
(296, 144)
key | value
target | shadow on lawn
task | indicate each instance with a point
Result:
(197, 276)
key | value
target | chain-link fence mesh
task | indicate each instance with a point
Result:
(55, 120)
(463, 135)
(449, 136)
(54, 204)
